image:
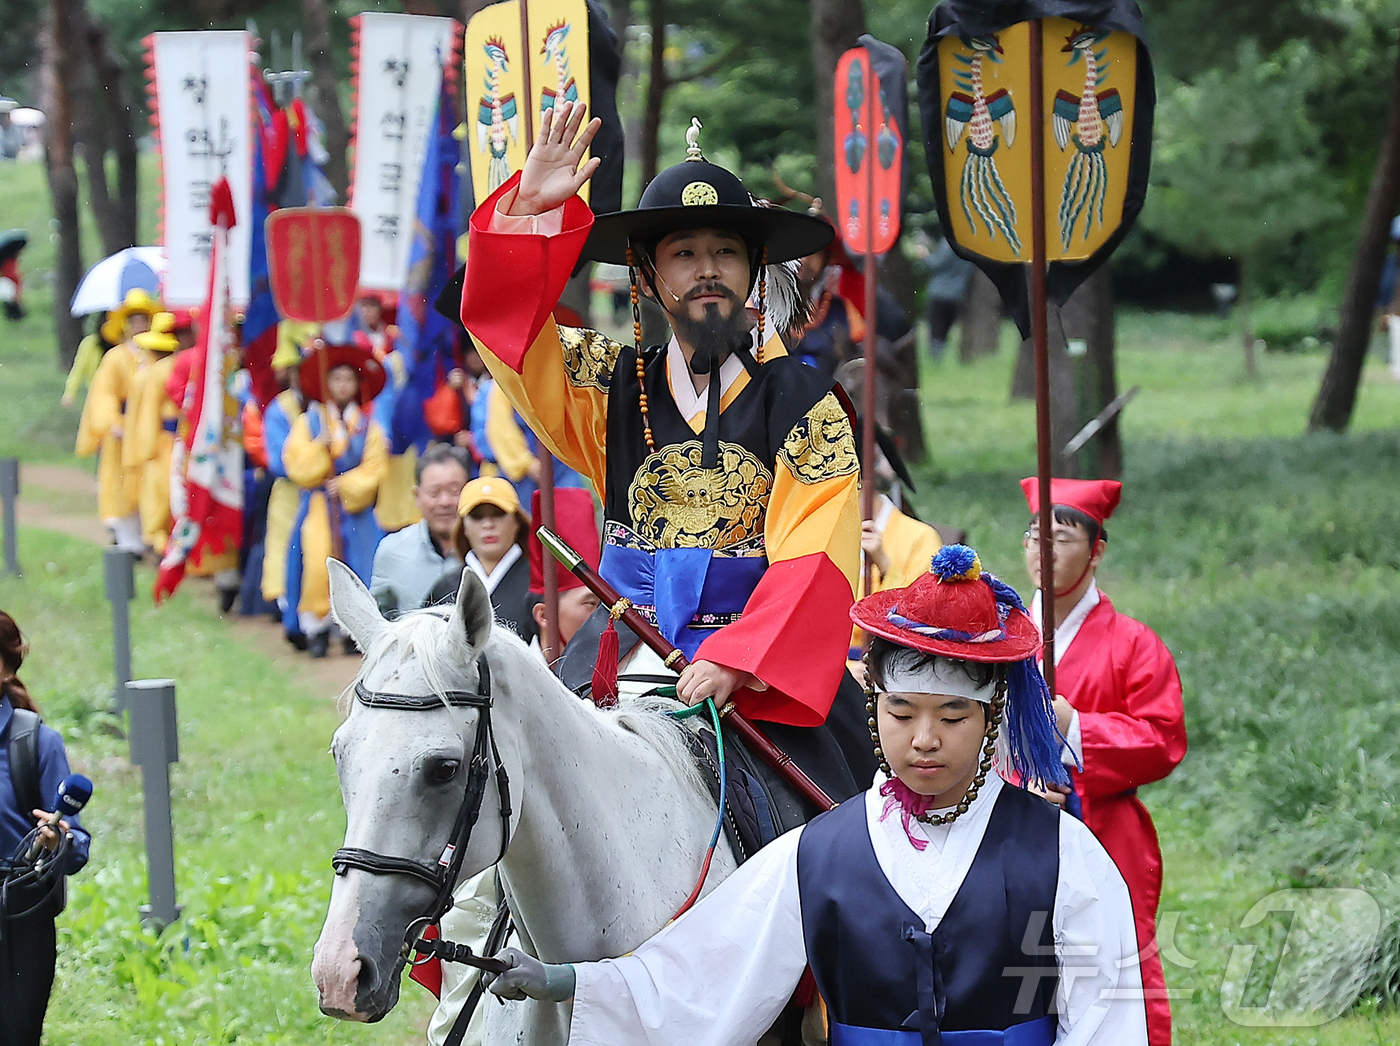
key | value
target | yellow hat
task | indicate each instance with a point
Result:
(489, 491)
(137, 300)
(159, 338)
(291, 336)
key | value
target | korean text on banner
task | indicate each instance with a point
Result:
(200, 91)
(400, 63)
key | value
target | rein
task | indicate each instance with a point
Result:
(443, 876)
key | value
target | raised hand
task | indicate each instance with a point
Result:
(551, 173)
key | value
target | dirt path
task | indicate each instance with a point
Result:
(62, 498)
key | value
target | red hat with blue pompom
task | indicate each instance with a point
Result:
(956, 610)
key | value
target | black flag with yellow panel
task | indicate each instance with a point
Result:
(974, 96)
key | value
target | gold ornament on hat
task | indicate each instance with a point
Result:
(699, 194)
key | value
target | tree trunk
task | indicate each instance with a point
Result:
(327, 102)
(628, 85)
(121, 130)
(980, 319)
(1336, 396)
(60, 66)
(657, 83)
(836, 25)
(1244, 309)
(1088, 315)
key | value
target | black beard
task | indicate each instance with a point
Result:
(714, 337)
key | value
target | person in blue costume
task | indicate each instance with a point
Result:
(29, 899)
(945, 906)
(338, 456)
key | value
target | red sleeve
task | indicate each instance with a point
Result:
(514, 280)
(179, 377)
(793, 635)
(1147, 739)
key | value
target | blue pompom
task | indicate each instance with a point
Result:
(956, 563)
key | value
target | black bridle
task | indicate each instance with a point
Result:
(442, 877)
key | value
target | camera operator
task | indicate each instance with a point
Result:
(32, 764)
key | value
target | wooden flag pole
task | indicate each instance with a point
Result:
(872, 276)
(549, 642)
(1040, 337)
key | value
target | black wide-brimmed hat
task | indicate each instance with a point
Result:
(697, 194)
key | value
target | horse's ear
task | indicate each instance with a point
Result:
(472, 617)
(353, 606)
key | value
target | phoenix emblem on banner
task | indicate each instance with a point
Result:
(973, 112)
(555, 50)
(1091, 120)
(496, 115)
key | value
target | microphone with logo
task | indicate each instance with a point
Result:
(74, 791)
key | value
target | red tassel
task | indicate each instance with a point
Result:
(605, 669)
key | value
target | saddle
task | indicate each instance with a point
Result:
(837, 755)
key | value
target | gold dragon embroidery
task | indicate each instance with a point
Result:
(821, 445)
(589, 357)
(674, 503)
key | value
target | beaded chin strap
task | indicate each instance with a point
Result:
(637, 341)
(984, 767)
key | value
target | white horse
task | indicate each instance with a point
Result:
(610, 816)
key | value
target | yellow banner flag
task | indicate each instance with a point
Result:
(1090, 81)
(503, 120)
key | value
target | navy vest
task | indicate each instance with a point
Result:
(887, 982)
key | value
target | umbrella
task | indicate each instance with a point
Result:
(26, 117)
(106, 283)
(12, 241)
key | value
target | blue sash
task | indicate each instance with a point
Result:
(688, 592)
(1032, 1033)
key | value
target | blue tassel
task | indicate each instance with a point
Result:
(1003, 592)
(1032, 738)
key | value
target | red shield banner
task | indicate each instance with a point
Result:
(313, 256)
(869, 157)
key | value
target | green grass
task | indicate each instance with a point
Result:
(1268, 562)
(31, 380)
(257, 815)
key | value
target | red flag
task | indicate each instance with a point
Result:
(206, 483)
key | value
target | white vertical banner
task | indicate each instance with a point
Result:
(399, 65)
(201, 95)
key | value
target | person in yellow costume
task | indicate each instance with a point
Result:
(104, 420)
(150, 439)
(338, 456)
(278, 419)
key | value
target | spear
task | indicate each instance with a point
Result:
(673, 659)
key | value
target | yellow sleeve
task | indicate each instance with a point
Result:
(507, 441)
(103, 407)
(85, 364)
(360, 485)
(562, 393)
(307, 460)
(910, 546)
(815, 504)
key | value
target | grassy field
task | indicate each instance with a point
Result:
(257, 815)
(1265, 558)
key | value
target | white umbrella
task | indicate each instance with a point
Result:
(25, 117)
(106, 283)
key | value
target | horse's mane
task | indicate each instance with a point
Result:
(420, 634)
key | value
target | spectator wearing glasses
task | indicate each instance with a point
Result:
(1118, 705)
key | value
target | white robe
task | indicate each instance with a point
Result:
(720, 975)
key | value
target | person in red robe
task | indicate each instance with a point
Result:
(1118, 704)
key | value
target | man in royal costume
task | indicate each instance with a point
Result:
(728, 470)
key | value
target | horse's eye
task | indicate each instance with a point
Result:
(440, 771)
